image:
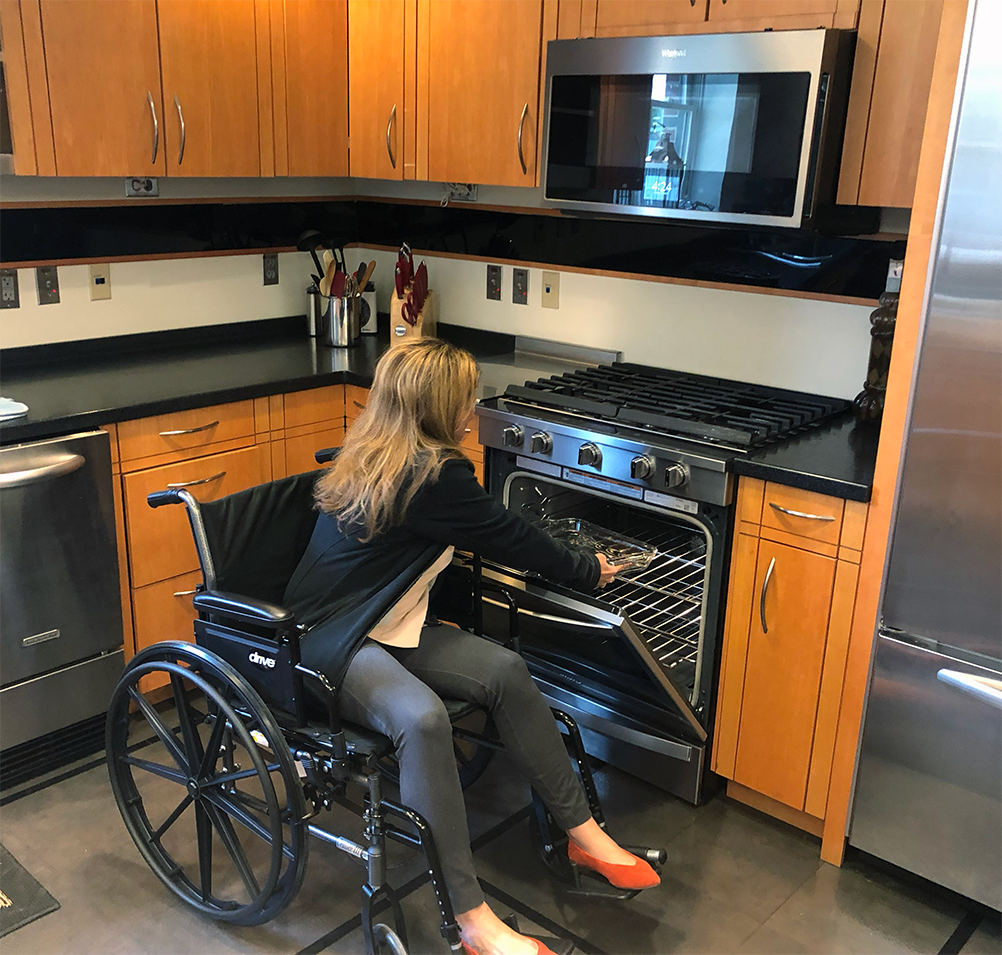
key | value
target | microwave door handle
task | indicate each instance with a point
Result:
(983, 688)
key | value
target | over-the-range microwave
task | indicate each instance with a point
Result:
(736, 128)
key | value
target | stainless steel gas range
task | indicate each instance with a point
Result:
(645, 453)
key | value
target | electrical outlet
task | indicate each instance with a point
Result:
(100, 282)
(551, 290)
(10, 294)
(47, 285)
(271, 268)
(494, 282)
(142, 187)
(520, 286)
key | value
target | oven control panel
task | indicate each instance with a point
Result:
(631, 464)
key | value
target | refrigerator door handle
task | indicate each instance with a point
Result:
(984, 688)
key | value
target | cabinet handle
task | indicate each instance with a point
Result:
(765, 590)
(390, 123)
(208, 480)
(180, 118)
(202, 427)
(521, 123)
(184, 593)
(809, 517)
(156, 127)
(358, 404)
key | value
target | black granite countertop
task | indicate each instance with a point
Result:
(69, 389)
(836, 459)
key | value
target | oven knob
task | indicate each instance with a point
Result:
(512, 436)
(540, 443)
(676, 475)
(590, 454)
(641, 467)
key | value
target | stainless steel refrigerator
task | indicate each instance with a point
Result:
(927, 794)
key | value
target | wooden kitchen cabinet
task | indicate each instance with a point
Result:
(892, 75)
(103, 107)
(794, 570)
(648, 17)
(208, 58)
(381, 127)
(310, 77)
(481, 65)
(753, 15)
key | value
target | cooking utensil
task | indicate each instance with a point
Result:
(325, 284)
(328, 258)
(366, 275)
(310, 241)
(421, 285)
(398, 280)
(337, 284)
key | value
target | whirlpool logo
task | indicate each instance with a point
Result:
(267, 662)
(672, 54)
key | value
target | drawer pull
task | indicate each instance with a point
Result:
(809, 517)
(208, 480)
(765, 590)
(184, 593)
(204, 427)
(358, 405)
(521, 123)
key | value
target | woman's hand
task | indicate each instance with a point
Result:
(607, 571)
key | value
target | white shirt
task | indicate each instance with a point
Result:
(401, 625)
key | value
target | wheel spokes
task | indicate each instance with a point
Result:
(157, 769)
(172, 818)
(235, 806)
(213, 747)
(224, 827)
(189, 731)
(203, 832)
(165, 735)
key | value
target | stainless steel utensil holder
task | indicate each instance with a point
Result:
(341, 320)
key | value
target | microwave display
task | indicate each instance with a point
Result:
(703, 142)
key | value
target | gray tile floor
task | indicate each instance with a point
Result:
(736, 881)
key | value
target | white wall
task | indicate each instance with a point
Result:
(155, 295)
(774, 340)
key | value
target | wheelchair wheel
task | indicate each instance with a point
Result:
(472, 759)
(387, 941)
(206, 784)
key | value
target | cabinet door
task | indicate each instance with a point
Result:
(483, 88)
(209, 61)
(376, 82)
(783, 671)
(316, 87)
(103, 69)
(648, 17)
(754, 15)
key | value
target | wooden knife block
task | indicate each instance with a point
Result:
(401, 331)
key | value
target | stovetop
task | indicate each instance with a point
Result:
(731, 415)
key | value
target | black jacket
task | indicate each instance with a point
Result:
(342, 586)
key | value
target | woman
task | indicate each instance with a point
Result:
(400, 497)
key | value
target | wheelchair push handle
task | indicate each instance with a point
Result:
(160, 498)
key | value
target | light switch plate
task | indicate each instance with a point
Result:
(100, 282)
(47, 285)
(551, 290)
(10, 294)
(271, 268)
(494, 282)
(520, 286)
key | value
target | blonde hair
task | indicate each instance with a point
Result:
(421, 394)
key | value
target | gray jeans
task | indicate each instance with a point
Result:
(398, 693)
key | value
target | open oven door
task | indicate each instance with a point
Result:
(592, 661)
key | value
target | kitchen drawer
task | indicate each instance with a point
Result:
(299, 450)
(802, 513)
(160, 544)
(184, 434)
(163, 611)
(316, 406)
(355, 398)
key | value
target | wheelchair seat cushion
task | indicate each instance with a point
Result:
(257, 537)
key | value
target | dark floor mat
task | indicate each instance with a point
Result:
(22, 899)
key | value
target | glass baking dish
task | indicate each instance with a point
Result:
(624, 552)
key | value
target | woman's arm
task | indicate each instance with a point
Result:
(457, 510)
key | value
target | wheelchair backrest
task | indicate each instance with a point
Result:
(257, 537)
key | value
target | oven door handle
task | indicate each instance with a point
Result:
(552, 618)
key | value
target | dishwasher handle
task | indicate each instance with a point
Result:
(48, 468)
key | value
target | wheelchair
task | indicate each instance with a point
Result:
(235, 732)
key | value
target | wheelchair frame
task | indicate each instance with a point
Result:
(260, 708)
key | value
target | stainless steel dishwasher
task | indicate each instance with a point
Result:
(60, 605)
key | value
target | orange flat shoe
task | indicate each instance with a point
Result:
(637, 875)
(541, 949)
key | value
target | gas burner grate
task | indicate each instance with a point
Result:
(684, 405)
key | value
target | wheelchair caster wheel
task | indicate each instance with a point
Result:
(387, 941)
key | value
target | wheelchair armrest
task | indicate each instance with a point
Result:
(325, 455)
(244, 609)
